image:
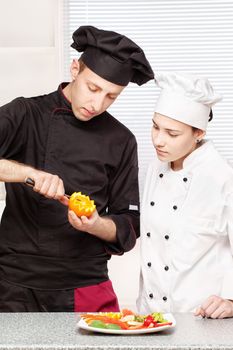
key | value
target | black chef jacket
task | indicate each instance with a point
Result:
(38, 246)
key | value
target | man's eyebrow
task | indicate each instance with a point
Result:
(92, 83)
(115, 94)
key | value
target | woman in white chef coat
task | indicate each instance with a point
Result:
(187, 208)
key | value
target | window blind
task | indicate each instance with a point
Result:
(193, 36)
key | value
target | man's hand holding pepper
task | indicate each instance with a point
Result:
(103, 228)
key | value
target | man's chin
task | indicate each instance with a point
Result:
(83, 118)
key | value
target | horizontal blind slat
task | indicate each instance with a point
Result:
(194, 36)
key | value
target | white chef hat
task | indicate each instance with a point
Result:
(185, 97)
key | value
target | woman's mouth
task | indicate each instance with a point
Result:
(160, 152)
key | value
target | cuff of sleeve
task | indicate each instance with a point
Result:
(125, 233)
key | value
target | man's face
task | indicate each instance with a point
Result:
(90, 95)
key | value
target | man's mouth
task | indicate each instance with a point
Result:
(88, 112)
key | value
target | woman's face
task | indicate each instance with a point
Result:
(173, 140)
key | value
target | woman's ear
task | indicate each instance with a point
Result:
(74, 68)
(199, 135)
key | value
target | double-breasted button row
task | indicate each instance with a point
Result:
(166, 236)
(153, 203)
(166, 268)
(185, 179)
(151, 296)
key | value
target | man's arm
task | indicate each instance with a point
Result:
(120, 227)
(11, 171)
(123, 206)
(48, 185)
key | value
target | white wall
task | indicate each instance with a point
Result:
(30, 49)
(31, 64)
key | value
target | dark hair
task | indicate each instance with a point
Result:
(82, 65)
(210, 116)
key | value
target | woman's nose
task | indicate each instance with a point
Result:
(158, 140)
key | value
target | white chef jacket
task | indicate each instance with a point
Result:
(186, 233)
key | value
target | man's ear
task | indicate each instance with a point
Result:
(74, 68)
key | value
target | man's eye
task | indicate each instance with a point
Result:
(112, 97)
(92, 88)
(173, 135)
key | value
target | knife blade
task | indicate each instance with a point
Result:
(31, 182)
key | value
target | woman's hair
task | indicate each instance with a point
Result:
(210, 118)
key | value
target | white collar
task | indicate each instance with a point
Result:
(200, 154)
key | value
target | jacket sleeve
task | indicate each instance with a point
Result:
(227, 288)
(123, 206)
(12, 129)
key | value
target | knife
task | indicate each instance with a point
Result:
(31, 182)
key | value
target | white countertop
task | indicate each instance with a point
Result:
(39, 331)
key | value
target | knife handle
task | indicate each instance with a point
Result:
(30, 182)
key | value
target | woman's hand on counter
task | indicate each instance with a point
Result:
(215, 307)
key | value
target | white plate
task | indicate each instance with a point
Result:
(169, 317)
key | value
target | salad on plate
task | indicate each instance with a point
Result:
(126, 321)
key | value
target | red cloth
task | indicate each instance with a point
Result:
(100, 297)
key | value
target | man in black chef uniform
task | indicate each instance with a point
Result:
(66, 142)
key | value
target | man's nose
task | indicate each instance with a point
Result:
(97, 103)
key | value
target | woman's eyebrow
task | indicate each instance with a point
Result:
(166, 128)
(172, 130)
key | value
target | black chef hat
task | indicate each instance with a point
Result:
(112, 56)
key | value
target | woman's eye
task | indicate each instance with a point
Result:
(173, 135)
